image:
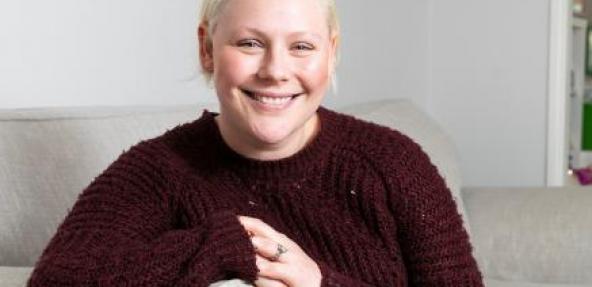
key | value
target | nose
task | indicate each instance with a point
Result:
(274, 66)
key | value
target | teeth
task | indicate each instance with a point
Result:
(272, 101)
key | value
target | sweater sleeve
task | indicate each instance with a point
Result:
(434, 243)
(333, 278)
(122, 231)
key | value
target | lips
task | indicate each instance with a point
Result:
(270, 98)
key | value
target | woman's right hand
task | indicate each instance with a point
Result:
(267, 282)
(294, 269)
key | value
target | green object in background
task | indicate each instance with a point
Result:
(587, 127)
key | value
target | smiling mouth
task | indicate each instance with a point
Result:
(270, 99)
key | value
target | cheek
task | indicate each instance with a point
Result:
(315, 72)
(231, 67)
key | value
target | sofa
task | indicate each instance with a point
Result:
(528, 237)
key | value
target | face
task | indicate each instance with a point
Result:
(271, 62)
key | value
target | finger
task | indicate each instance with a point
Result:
(258, 227)
(266, 282)
(269, 249)
(270, 269)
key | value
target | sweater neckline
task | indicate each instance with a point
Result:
(297, 165)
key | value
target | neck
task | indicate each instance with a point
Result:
(249, 147)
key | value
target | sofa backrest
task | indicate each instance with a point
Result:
(48, 156)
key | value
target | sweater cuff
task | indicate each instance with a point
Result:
(232, 246)
(226, 253)
(332, 278)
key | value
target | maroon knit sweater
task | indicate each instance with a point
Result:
(362, 200)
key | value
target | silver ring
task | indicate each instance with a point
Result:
(280, 250)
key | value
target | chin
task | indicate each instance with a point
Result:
(272, 134)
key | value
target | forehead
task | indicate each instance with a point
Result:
(274, 15)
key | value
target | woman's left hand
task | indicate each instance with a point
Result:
(280, 260)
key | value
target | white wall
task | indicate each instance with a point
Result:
(109, 52)
(488, 81)
(478, 66)
(384, 51)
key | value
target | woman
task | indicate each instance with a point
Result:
(274, 189)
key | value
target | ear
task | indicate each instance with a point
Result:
(205, 48)
(334, 46)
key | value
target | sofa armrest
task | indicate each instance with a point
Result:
(532, 234)
(14, 276)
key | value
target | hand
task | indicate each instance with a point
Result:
(293, 268)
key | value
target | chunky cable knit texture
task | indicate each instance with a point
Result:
(362, 200)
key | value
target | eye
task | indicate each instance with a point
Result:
(301, 46)
(250, 44)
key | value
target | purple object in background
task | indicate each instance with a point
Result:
(584, 175)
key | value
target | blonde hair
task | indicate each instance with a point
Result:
(210, 10)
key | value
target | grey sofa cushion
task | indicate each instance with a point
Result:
(14, 276)
(533, 234)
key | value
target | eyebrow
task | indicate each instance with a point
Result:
(263, 34)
